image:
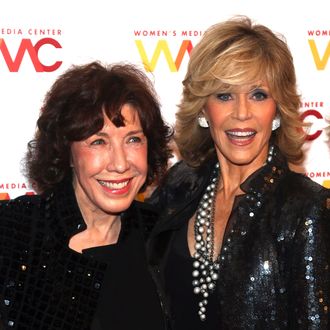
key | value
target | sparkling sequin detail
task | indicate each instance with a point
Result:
(44, 284)
(274, 262)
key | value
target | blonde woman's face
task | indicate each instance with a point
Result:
(240, 123)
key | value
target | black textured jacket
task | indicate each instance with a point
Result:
(283, 222)
(43, 283)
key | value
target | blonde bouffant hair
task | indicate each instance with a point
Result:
(234, 53)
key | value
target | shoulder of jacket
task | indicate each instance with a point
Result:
(20, 203)
(181, 172)
(181, 183)
(309, 192)
(304, 184)
(179, 167)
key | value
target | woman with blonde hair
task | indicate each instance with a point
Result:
(243, 242)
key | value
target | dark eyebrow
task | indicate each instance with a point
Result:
(138, 131)
(101, 134)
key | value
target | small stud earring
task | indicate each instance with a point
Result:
(276, 123)
(203, 122)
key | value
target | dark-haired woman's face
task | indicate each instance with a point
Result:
(110, 167)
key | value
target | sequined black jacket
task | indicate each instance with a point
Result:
(283, 222)
(43, 283)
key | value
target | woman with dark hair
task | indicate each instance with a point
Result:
(73, 256)
(243, 242)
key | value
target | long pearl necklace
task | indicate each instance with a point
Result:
(205, 273)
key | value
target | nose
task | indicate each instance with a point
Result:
(118, 160)
(242, 108)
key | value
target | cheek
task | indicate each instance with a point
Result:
(216, 115)
(87, 162)
(268, 117)
(139, 159)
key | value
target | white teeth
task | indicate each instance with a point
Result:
(240, 134)
(114, 185)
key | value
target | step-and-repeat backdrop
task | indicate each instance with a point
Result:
(40, 39)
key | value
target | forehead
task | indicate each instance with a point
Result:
(130, 116)
(246, 87)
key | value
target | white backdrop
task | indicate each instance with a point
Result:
(40, 39)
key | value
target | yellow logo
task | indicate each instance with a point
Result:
(320, 62)
(162, 47)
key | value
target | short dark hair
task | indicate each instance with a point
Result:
(73, 110)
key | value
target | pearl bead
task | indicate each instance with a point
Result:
(211, 286)
(197, 290)
(214, 276)
(196, 264)
(195, 273)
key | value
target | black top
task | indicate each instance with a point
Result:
(128, 295)
(178, 279)
(45, 285)
(275, 258)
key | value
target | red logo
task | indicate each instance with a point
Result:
(314, 113)
(26, 47)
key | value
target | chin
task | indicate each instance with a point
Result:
(242, 161)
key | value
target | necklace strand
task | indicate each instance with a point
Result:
(205, 266)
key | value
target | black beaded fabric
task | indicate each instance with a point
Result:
(44, 285)
(275, 259)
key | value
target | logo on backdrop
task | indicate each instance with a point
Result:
(312, 113)
(319, 45)
(30, 41)
(170, 46)
(5, 187)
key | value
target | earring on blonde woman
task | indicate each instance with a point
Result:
(203, 122)
(276, 123)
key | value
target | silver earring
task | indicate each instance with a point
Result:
(276, 123)
(203, 122)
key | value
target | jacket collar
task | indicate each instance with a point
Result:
(62, 211)
(188, 185)
(65, 219)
